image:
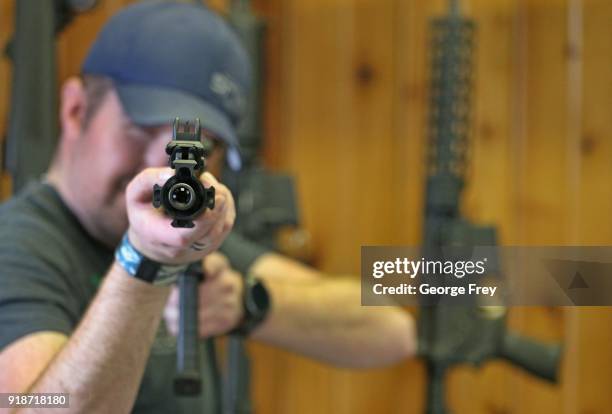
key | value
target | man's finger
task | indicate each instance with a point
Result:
(214, 264)
(140, 189)
(209, 180)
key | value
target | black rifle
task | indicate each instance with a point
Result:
(472, 333)
(236, 390)
(184, 198)
(265, 202)
(32, 119)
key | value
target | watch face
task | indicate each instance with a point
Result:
(257, 299)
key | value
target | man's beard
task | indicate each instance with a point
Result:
(112, 216)
(118, 190)
(112, 223)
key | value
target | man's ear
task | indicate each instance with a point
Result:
(72, 108)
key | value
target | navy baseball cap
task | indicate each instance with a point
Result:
(172, 59)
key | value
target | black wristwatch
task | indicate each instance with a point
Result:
(256, 305)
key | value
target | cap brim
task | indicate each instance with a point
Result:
(153, 105)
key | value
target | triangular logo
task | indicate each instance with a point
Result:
(578, 282)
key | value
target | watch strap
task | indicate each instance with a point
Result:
(141, 267)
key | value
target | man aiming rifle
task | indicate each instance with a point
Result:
(75, 320)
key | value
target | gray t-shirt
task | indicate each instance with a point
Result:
(50, 269)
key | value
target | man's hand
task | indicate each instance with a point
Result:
(151, 233)
(220, 299)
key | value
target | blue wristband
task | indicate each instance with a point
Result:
(141, 267)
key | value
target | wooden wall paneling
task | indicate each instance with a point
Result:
(411, 61)
(6, 31)
(592, 335)
(368, 143)
(517, 152)
(574, 51)
(543, 212)
(269, 366)
(319, 118)
(345, 124)
(370, 205)
(536, 322)
(272, 11)
(546, 158)
(316, 96)
(487, 199)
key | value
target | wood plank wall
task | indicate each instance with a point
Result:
(345, 109)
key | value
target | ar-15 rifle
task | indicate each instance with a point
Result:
(32, 121)
(266, 204)
(454, 334)
(265, 201)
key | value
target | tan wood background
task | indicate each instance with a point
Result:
(345, 109)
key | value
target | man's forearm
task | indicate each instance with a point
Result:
(324, 319)
(102, 364)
